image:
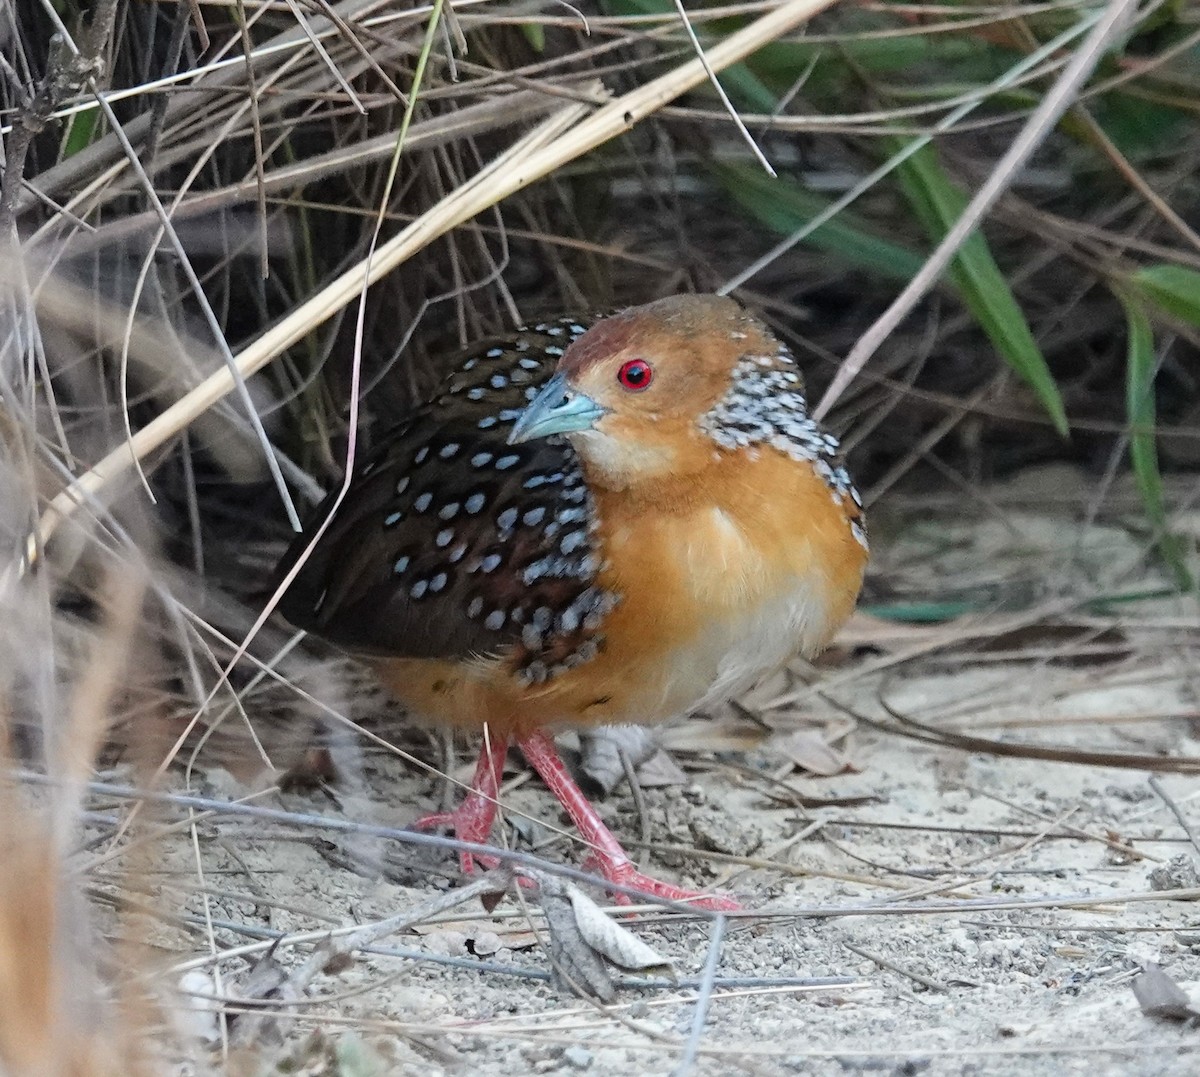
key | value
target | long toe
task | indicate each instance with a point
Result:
(624, 874)
(470, 821)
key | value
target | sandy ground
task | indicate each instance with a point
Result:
(978, 914)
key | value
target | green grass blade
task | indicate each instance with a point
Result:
(81, 130)
(535, 34)
(1143, 449)
(939, 203)
(784, 206)
(748, 89)
(1173, 288)
(922, 613)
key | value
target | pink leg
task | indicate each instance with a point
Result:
(606, 853)
(472, 819)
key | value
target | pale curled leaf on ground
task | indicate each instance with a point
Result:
(575, 965)
(602, 751)
(661, 771)
(199, 1020)
(1160, 996)
(604, 935)
(809, 751)
(583, 937)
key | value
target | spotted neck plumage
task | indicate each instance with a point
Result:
(765, 405)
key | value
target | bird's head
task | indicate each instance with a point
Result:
(637, 393)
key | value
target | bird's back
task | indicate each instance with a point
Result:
(450, 543)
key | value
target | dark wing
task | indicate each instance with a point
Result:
(452, 543)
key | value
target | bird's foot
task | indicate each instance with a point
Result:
(620, 870)
(470, 821)
(606, 856)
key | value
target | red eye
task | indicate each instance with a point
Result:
(635, 375)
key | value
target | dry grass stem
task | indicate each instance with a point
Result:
(549, 147)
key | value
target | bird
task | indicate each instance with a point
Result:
(592, 521)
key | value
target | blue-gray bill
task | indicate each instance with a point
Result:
(555, 410)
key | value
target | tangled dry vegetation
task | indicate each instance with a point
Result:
(962, 837)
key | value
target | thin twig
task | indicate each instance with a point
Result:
(67, 69)
(548, 148)
(1176, 811)
(720, 90)
(887, 963)
(700, 1014)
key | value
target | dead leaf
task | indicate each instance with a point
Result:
(199, 1019)
(661, 771)
(266, 982)
(1160, 996)
(809, 751)
(620, 945)
(602, 750)
(576, 966)
(1178, 873)
(485, 944)
(583, 936)
(510, 935)
(264, 979)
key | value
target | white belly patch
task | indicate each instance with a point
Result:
(757, 633)
(732, 657)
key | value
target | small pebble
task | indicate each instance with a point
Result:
(487, 943)
(578, 1057)
(1178, 873)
